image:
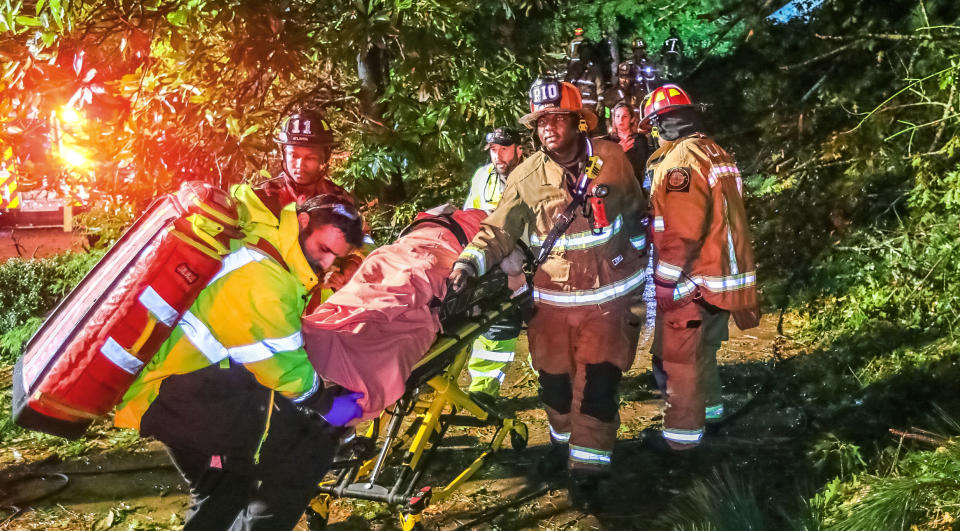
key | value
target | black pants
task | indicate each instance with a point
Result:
(232, 492)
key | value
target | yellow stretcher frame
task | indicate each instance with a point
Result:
(435, 400)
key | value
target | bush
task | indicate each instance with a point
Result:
(31, 288)
(105, 222)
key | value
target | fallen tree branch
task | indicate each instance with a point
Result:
(886, 37)
(821, 57)
(916, 436)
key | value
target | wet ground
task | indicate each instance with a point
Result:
(137, 488)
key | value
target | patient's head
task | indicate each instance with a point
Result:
(329, 228)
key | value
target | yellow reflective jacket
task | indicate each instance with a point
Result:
(249, 313)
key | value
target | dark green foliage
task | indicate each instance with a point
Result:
(31, 288)
(921, 488)
(724, 502)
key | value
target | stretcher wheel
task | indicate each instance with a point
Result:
(317, 520)
(518, 436)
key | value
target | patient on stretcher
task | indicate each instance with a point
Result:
(368, 336)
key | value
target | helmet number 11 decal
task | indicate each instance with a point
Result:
(295, 127)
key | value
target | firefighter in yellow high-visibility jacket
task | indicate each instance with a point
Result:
(231, 392)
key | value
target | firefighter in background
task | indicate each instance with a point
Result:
(583, 334)
(644, 72)
(495, 348)
(574, 48)
(671, 54)
(703, 264)
(232, 394)
(624, 91)
(638, 58)
(583, 72)
(306, 141)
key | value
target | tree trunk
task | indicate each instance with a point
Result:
(613, 41)
(373, 72)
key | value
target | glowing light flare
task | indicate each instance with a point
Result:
(70, 115)
(74, 156)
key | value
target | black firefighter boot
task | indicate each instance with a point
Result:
(554, 464)
(586, 489)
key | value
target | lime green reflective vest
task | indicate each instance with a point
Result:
(249, 313)
(486, 189)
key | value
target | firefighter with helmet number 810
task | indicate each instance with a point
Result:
(592, 259)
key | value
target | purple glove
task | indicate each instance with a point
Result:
(343, 409)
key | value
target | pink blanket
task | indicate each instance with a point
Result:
(368, 336)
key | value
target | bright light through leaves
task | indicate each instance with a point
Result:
(70, 115)
(74, 156)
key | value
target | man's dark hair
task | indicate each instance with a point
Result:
(328, 209)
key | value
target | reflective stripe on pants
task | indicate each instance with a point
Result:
(488, 363)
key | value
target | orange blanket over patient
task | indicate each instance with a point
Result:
(368, 336)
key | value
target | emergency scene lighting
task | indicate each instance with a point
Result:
(449, 265)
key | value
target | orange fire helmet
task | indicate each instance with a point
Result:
(549, 96)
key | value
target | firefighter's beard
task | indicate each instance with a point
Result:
(314, 266)
(507, 168)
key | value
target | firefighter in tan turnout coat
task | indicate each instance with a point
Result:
(704, 266)
(583, 335)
